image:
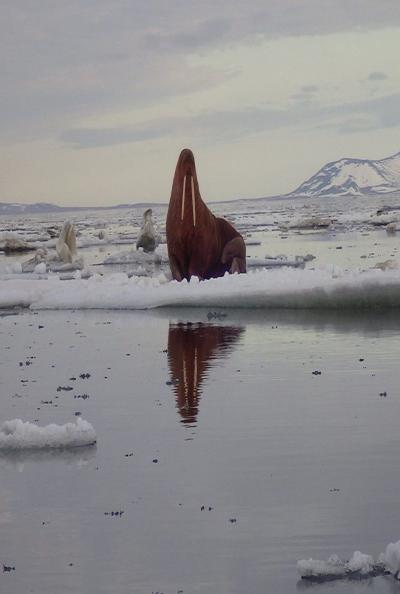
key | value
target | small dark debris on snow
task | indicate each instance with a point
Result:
(8, 568)
(216, 315)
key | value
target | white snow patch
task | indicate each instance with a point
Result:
(17, 435)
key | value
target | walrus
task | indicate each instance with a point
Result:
(199, 243)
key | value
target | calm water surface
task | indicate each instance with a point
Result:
(228, 457)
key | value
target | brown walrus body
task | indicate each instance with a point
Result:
(199, 244)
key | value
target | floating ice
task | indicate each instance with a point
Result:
(274, 262)
(18, 435)
(391, 558)
(313, 568)
(384, 219)
(314, 222)
(139, 256)
(359, 566)
(11, 242)
(362, 563)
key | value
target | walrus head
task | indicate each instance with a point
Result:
(185, 195)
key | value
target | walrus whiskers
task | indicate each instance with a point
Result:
(183, 198)
(193, 203)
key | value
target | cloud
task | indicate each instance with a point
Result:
(374, 76)
(223, 126)
(84, 58)
(309, 89)
(97, 137)
(206, 33)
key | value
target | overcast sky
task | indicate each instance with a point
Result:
(97, 98)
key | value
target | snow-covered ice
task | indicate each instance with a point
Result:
(283, 288)
(17, 435)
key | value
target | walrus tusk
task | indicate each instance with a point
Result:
(185, 384)
(195, 370)
(183, 198)
(193, 203)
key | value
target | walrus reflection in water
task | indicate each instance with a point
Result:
(199, 244)
(191, 349)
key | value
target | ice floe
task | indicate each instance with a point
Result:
(11, 242)
(158, 256)
(359, 566)
(274, 262)
(18, 435)
(314, 222)
(289, 288)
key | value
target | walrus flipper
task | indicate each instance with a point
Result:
(234, 255)
(176, 271)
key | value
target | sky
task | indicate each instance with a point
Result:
(98, 98)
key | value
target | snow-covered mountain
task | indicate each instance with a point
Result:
(355, 177)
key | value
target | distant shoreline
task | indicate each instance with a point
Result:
(14, 208)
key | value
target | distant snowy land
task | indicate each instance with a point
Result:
(11, 208)
(357, 177)
(345, 177)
